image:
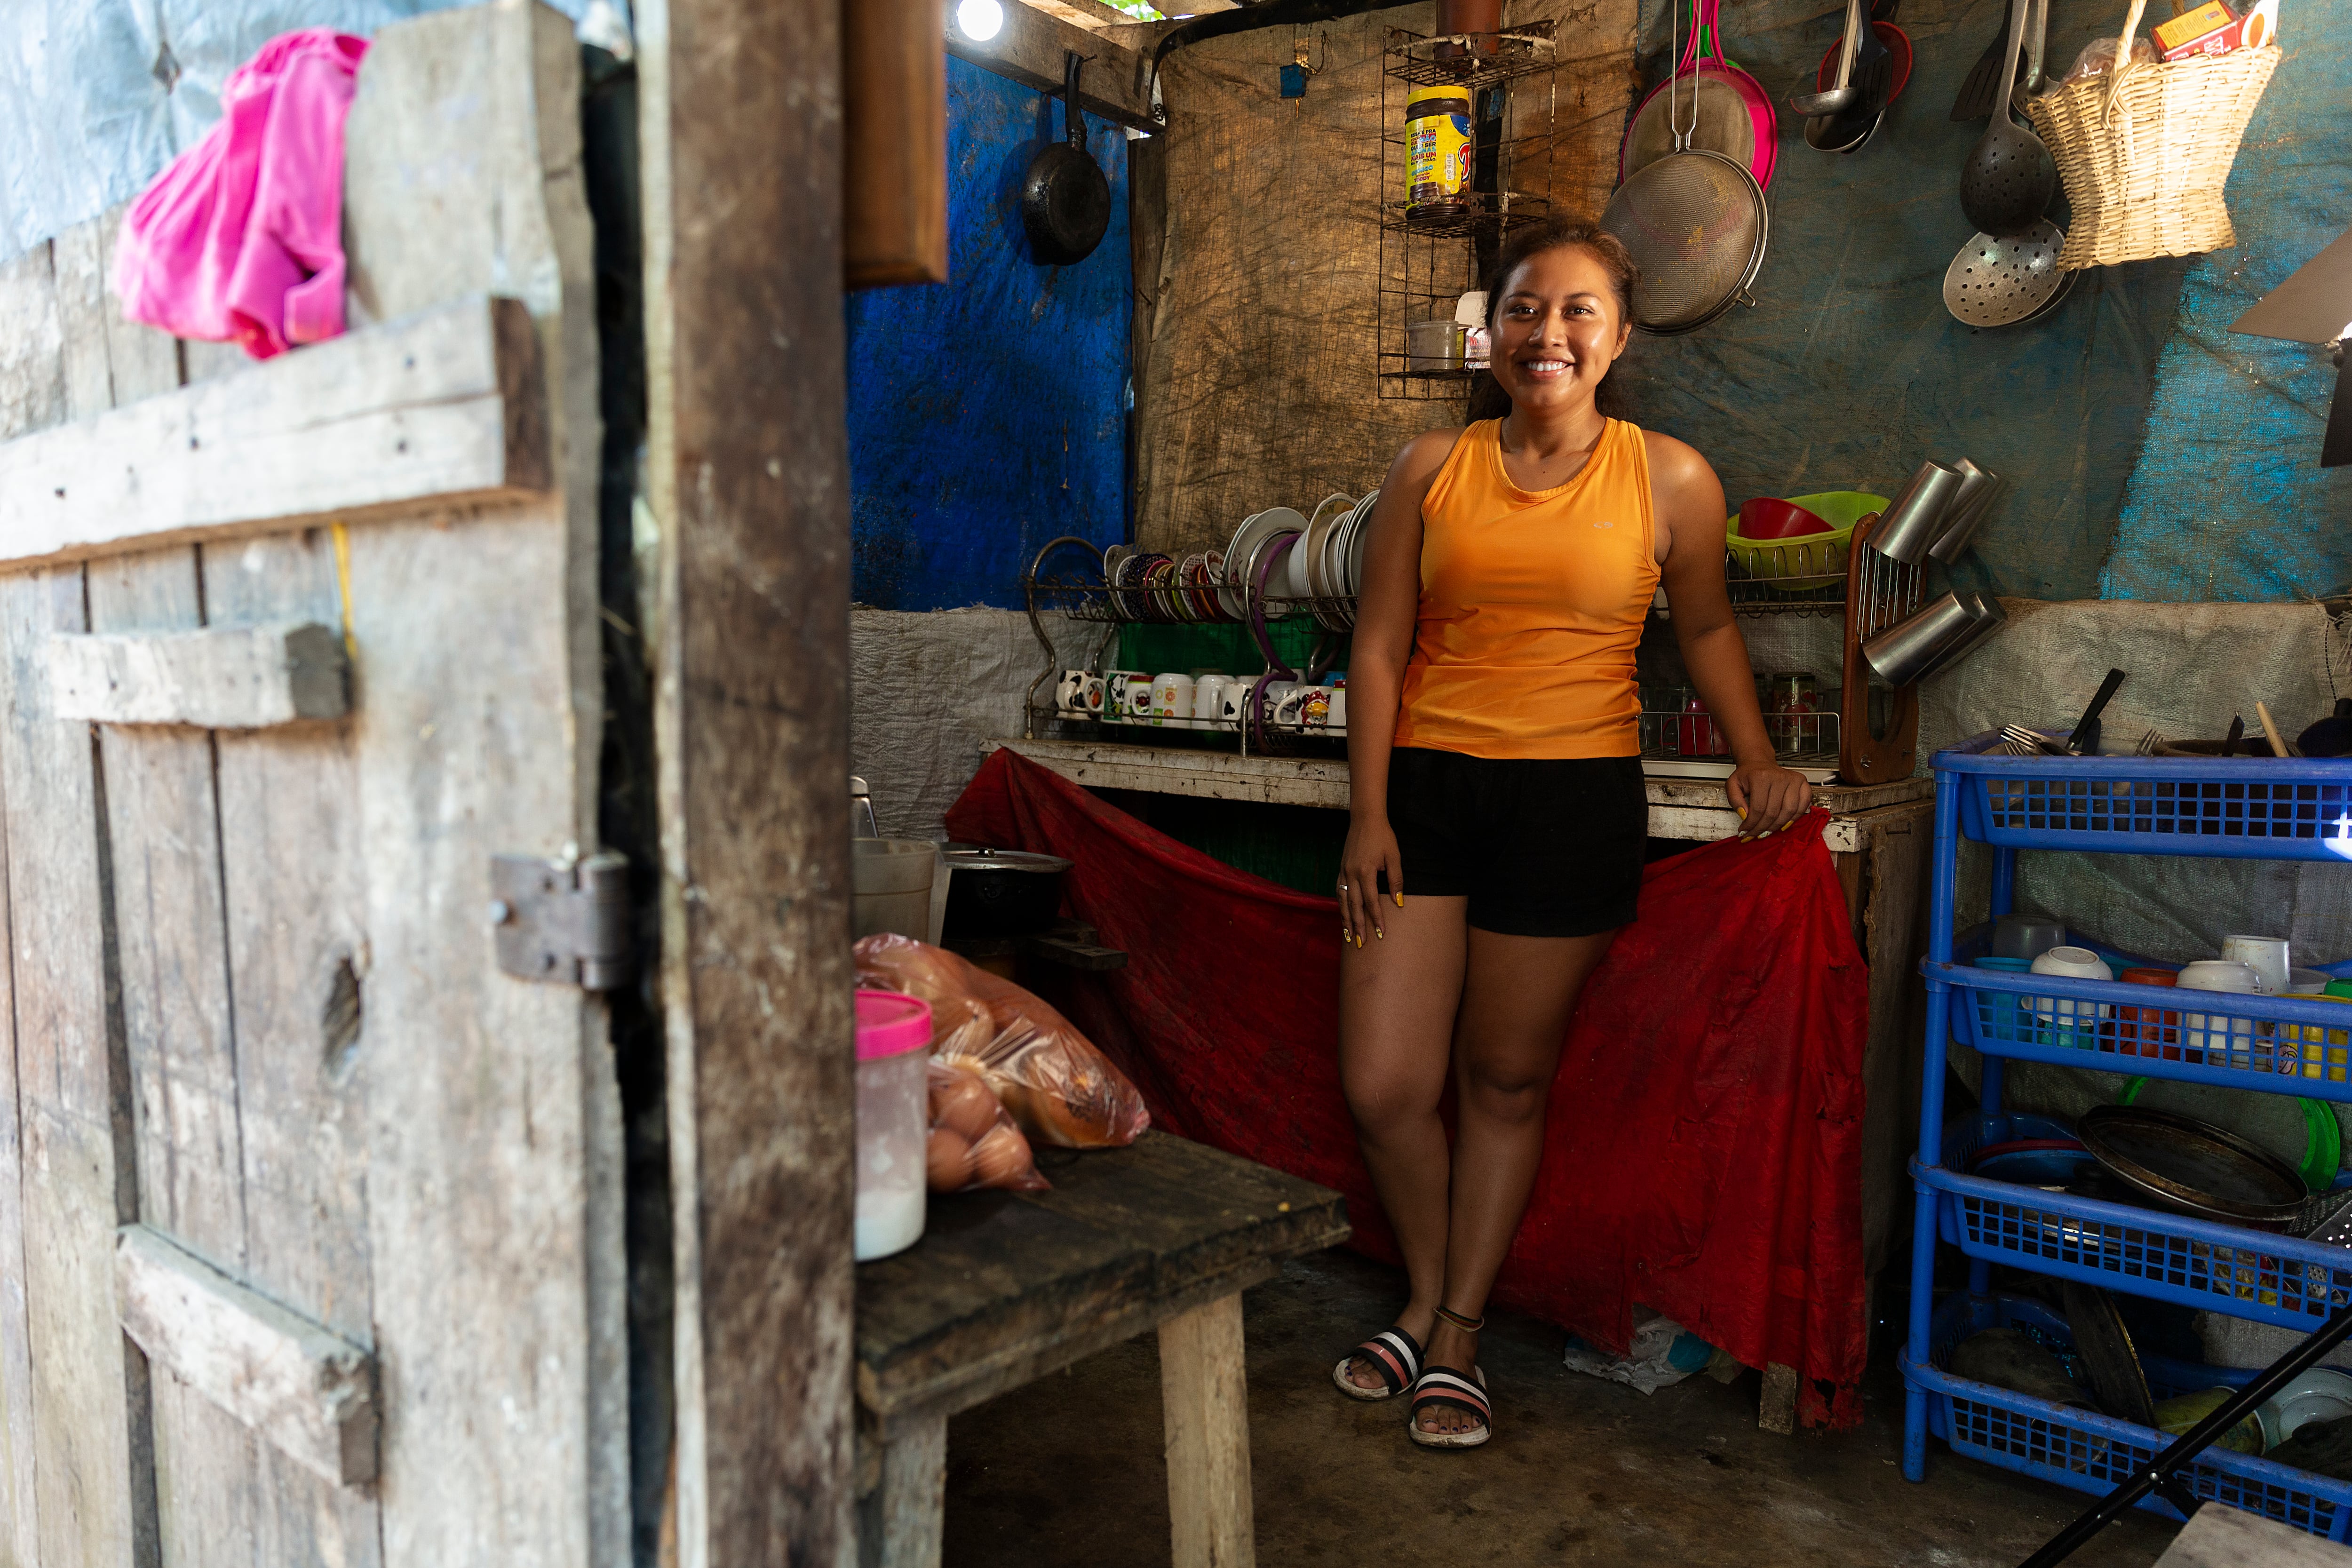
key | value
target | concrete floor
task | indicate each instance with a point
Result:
(1067, 1471)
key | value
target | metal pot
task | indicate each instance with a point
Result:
(1001, 893)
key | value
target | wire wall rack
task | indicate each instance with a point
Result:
(1433, 254)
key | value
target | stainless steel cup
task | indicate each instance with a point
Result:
(1899, 655)
(1908, 527)
(1985, 616)
(1983, 493)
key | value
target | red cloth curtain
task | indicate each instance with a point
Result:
(1703, 1148)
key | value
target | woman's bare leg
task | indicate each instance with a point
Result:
(1398, 995)
(1518, 995)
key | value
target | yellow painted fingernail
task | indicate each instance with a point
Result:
(1381, 934)
(1400, 898)
(1740, 809)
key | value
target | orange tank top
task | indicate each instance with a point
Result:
(1532, 603)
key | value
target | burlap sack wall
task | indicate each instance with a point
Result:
(1257, 251)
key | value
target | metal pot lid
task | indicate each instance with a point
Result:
(2186, 1160)
(1004, 860)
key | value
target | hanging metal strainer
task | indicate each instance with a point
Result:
(1995, 282)
(1697, 226)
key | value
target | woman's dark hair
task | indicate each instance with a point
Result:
(1487, 398)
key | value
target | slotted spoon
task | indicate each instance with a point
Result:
(1997, 282)
(2009, 177)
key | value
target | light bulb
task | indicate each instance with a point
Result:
(979, 20)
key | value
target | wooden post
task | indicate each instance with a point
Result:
(895, 188)
(898, 1523)
(740, 136)
(1203, 1389)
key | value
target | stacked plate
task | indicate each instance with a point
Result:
(1252, 542)
(1340, 566)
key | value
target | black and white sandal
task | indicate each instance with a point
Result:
(1393, 1354)
(1443, 1388)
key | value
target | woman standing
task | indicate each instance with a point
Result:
(1499, 820)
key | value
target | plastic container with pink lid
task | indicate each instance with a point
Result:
(894, 1038)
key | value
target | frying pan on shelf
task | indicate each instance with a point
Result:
(1064, 199)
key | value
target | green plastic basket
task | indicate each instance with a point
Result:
(1809, 565)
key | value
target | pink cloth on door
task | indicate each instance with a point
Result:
(240, 240)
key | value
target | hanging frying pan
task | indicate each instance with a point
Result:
(1065, 200)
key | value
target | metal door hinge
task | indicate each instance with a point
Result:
(565, 922)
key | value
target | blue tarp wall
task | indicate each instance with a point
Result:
(987, 415)
(2160, 457)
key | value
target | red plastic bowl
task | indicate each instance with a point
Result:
(1765, 518)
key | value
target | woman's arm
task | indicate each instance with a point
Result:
(1387, 602)
(1687, 500)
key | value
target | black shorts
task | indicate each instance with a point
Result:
(1542, 846)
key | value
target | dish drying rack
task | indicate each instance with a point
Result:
(1084, 595)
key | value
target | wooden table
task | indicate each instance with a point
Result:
(1006, 1286)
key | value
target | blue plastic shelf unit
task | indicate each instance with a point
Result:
(2091, 1452)
(2243, 809)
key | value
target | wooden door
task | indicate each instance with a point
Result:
(310, 1215)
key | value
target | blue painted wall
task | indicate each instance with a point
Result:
(2152, 462)
(987, 415)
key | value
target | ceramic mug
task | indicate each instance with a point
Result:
(2218, 1035)
(1209, 700)
(1115, 709)
(1079, 695)
(2071, 1023)
(1135, 699)
(2266, 955)
(1172, 700)
(1277, 693)
(1235, 711)
(1337, 722)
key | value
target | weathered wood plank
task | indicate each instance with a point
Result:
(895, 190)
(162, 830)
(297, 962)
(95, 1496)
(25, 291)
(1204, 1393)
(494, 1200)
(1683, 809)
(2221, 1536)
(1003, 1287)
(749, 482)
(306, 1390)
(222, 677)
(445, 406)
(19, 1534)
(93, 1474)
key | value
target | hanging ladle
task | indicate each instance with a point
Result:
(1845, 93)
(2010, 178)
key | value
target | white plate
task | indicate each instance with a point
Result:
(1229, 586)
(1254, 531)
(1329, 514)
(1351, 575)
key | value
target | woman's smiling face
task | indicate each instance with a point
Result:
(1557, 328)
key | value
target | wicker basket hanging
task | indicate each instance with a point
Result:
(2145, 148)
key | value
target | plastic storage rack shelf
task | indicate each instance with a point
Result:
(2236, 809)
(2285, 1045)
(2094, 1453)
(2247, 808)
